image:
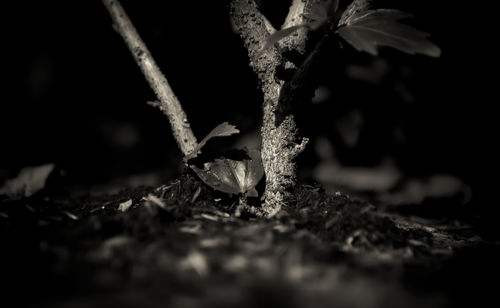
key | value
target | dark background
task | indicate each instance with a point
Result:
(72, 94)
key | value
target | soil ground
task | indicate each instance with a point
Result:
(180, 245)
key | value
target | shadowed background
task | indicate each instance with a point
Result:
(75, 97)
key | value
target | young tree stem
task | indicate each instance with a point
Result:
(168, 102)
(280, 141)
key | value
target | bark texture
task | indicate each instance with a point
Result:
(280, 140)
(167, 101)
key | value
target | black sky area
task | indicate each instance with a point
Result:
(69, 80)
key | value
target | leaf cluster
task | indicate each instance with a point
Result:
(364, 28)
(236, 175)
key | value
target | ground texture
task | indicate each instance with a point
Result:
(180, 245)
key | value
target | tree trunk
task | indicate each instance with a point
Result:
(280, 141)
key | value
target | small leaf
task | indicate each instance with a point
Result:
(354, 9)
(233, 176)
(369, 30)
(222, 130)
(29, 181)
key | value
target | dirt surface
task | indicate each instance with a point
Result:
(180, 245)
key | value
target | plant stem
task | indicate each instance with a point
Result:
(280, 141)
(168, 102)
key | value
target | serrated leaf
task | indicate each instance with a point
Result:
(372, 29)
(354, 9)
(222, 130)
(378, 16)
(233, 176)
(29, 181)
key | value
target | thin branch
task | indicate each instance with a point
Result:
(169, 103)
(295, 12)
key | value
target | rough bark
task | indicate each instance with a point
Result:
(168, 102)
(280, 141)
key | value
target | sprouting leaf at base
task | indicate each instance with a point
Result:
(369, 30)
(222, 130)
(233, 176)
